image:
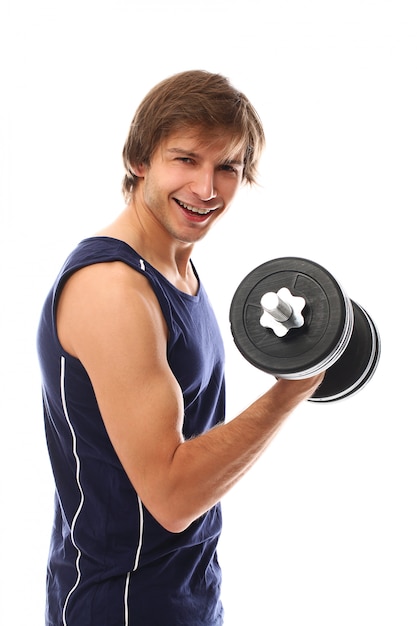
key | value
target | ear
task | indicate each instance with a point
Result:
(139, 170)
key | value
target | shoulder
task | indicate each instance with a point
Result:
(109, 281)
(105, 298)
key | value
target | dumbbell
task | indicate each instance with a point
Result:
(291, 318)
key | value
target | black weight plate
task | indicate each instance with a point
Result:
(356, 365)
(302, 349)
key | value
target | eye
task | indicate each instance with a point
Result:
(227, 167)
(185, 159)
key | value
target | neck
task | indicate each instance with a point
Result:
(170, 257)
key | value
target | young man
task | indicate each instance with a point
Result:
(133, 379)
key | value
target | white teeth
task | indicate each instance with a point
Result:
(193, 208)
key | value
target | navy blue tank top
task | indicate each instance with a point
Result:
(110, 562)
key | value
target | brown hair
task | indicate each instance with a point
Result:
(198, 99)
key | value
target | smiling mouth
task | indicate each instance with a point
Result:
(193, 209)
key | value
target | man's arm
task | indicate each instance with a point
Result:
(109, 318)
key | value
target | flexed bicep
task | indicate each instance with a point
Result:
(109, 318)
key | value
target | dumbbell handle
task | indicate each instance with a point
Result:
(276, 306)
(281, 311)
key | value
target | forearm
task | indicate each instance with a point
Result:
(204, 469)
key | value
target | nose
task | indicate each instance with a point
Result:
(203, 184)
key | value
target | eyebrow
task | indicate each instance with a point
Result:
(182, 151)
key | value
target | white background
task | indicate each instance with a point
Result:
(323, 530)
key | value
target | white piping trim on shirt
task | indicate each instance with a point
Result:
(77, 513)
(135, 566)
(77, 474)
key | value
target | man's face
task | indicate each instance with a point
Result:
(190, 183)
